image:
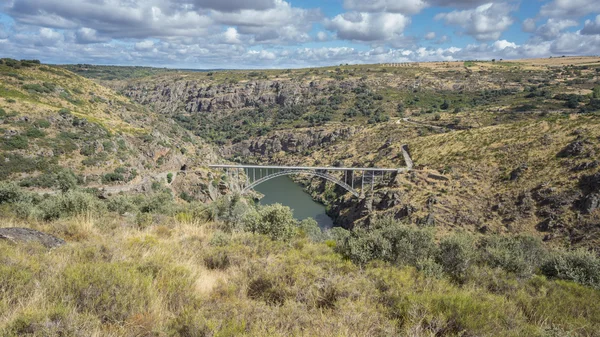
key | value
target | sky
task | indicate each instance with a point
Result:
(234, 34)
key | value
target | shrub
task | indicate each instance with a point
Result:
(310, 228)
(521, 255)
(580, 266)
(121, 204)
(275, 221)
(10, 192)
(111, 291)
(72, 203)
(456, 254)
(387, 240)
(169, 177)
(18, 142)
(42, 123)
(35, 133)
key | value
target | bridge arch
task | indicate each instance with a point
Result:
(288, 172)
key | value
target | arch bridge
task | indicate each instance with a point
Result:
(355, 180)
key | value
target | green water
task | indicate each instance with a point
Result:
(285, 191)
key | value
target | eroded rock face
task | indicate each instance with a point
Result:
(290, 142)
(20, 235)
(195, 96)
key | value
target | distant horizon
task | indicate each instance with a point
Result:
(323, 66)
(278, 34)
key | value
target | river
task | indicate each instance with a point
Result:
(285, 191)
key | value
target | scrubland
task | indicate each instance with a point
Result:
(147, 266)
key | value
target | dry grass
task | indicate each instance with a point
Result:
(113, 279)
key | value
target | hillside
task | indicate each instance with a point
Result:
(505, 147)
(114, 226)
(54, 121)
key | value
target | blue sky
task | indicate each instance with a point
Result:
(283, 34)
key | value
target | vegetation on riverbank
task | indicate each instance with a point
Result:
(230, 269)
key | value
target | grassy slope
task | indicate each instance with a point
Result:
(186, 278)
(67, 121)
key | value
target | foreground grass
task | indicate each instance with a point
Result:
(188, 278)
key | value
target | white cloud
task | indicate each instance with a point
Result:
(144, 45)
(591, 27)
(282, 23)
(553, 27)
(503, 44)
(49, 36)
(368, 26)
(529, 25)
(570, 8)
(231, 36)
(261, 54)
(430, 36)
(88, 35)
(486, 22)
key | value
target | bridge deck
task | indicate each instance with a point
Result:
(309, 168)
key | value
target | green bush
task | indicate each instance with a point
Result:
(387, 240)
(121, 204)
(521, 255)
(18, 142)
(42, 123)
(169, 177)
(310, 228)
(275, 221)
(10, 193)
(35, 133)
(580, 266)
(111, 291)
(72, 203)
(456, 255)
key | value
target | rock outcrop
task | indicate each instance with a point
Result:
(19, 235)
(289, 141)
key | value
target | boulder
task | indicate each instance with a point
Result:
(19, 235)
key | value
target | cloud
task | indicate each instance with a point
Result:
(368, 26)
(49, 36)
(503, 44)
(391, 6)
(322, 36)
(233, 5)
(430, 36)
(144, 45)
(570, 8)
(86, 35)
(486, 22)
(114, 18)
(591, 27)
(231, 36)
(553, 27)
(280, 24)
(528, 25)
(262, 54)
